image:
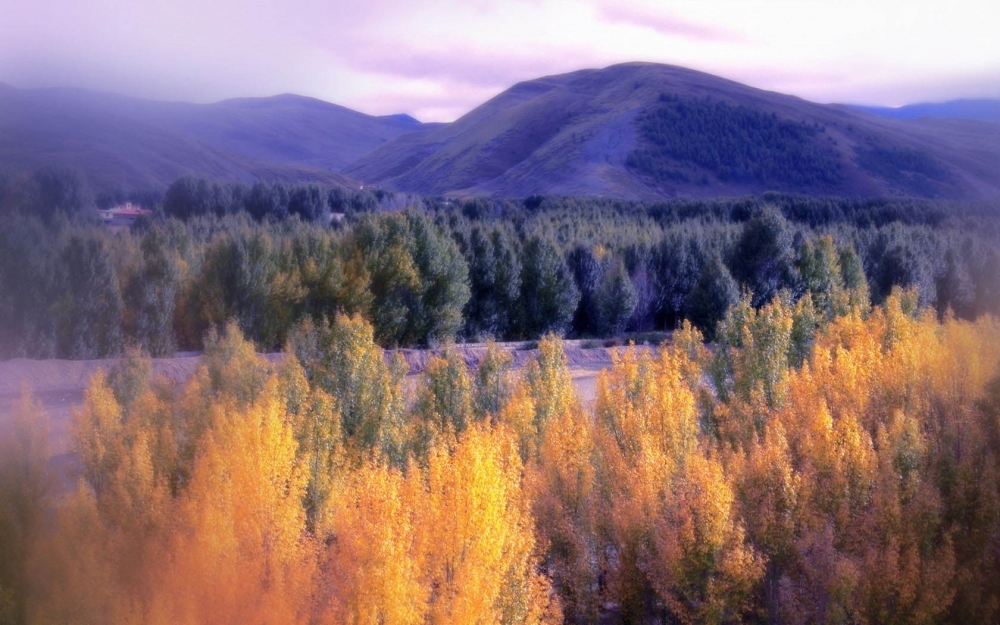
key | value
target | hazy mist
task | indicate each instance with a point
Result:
(437, 59)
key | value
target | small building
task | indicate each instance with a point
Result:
(122, 216)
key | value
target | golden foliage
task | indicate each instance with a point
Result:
(544, 392)
(242, 554)
(700, 564)
(376, 570)
(648, 401)
(478, 532)
(860, 485)
(548, 378)
(563, 488)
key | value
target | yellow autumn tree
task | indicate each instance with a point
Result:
(518, 415)
(562, 485)
(768, 488)
(101, 561)
(344, 361)
(374, 565)
(646, 400)
(550, 383)
(884, 441)
(316, 420)
(640, 404)
(700, 564)
(477, 531)
(544, 392)
(241, 553)
(674, 528)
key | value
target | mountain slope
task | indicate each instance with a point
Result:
(636, 130)
(132, 143)
(642, 130)
(978, 110)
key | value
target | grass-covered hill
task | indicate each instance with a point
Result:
(642, 130)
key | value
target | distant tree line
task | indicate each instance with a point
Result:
(681, 257)
(430, 270)
(46, 192)
(189, 197)
(52, 191)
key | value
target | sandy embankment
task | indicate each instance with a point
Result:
(59, 384)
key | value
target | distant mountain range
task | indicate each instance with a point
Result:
(635, 130)
(980, 110)
(121, 142)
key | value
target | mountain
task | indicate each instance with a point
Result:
(979, 110)
(636, 130)
(641, 130)
(122, 142)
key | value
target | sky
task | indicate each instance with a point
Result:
(438, 59)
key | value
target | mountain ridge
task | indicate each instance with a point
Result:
(123, 142)
(633, 130)
(574, 134)
(976, 109)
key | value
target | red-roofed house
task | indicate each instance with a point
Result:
(122, 216)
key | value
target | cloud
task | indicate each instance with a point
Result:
(788, 80)
(443, 83)
(463, 65)
(427, 107)
(666, 23)
(438, 58)
(901, 90)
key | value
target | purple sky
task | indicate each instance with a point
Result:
(436, 59)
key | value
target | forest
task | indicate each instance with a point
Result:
(817, 441)
(910, 170)
(732, 142)
(430, 271)
(838, 467)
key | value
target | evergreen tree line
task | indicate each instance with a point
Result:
(691, 260)
(190, 197)
(428, 270)
(51, 191)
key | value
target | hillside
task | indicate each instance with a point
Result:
(121, 142)
(642, 130)
(637, 130)
(979, 110)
